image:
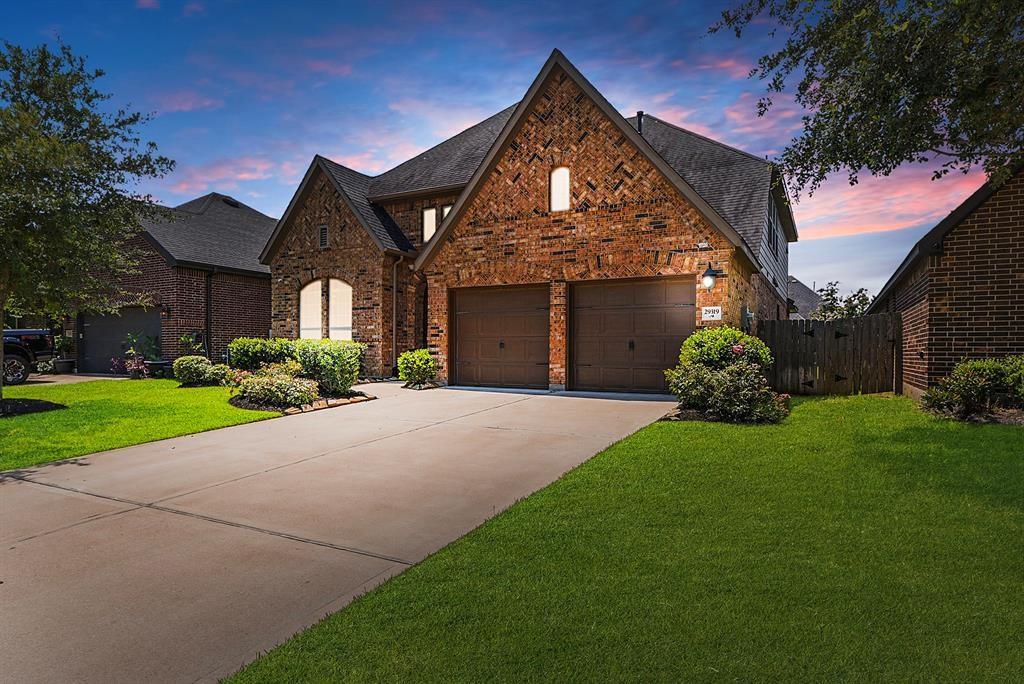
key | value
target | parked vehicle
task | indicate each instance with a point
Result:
(23, 349)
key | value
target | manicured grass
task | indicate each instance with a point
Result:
(107, 414)
(861, 539)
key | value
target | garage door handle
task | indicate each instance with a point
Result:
(632, 345)
(501, 345)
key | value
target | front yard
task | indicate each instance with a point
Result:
(106, 414)
(860, 539)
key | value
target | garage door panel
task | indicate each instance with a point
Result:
(625, 334)
(501, 336)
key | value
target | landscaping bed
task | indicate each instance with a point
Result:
(316, 405)
(861, 538)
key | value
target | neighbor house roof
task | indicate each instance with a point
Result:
(805, 300)
(212, 231)
(931, 243)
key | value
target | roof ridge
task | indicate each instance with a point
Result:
(340, 165)
(704, 137)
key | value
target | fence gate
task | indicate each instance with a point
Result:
(847, 356)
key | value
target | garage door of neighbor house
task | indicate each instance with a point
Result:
(501, 336)
(103, 336)
(625, 333)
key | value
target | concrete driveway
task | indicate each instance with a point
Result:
(181, 560)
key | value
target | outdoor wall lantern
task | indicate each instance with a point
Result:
(707, 280)
(165, 312)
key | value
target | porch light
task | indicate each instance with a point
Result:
(707, 280)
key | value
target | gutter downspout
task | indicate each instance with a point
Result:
(209, 313)
(394, 314)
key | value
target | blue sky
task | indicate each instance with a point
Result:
(245, 93)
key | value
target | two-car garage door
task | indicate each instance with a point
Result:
(622, 334)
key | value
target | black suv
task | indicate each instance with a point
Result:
(23, 349)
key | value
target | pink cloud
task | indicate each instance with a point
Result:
(224, 174)
(779, 121)
(683, 117)
(438, 116)
(147, 4)
(185, 101)
(906, 198)
(731, 66)
(323, 66)
(193, 8)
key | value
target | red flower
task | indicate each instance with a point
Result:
(737, 349)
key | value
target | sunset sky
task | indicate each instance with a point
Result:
(245, 93)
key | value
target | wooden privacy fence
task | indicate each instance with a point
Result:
(847, 356)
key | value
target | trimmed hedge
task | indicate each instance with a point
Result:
(249, 353)
(334, 364)
(277, 390)
(417, 366)
(722, 346)
(975, 387)
(191, 371)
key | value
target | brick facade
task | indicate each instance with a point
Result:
(966, 300)
(626, 221)
(352, 257)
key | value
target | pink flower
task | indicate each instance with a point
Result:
(737, 349)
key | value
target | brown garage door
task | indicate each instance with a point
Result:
(626, 333)
(501, 336)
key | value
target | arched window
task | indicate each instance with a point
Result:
(310, 312)
(339, 310)
(560, 189)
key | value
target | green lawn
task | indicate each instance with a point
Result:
(107, 414)
(861, 539)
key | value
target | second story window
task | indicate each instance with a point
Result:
(429, 223)
(560, 189)
(324, 242)
(444, 211)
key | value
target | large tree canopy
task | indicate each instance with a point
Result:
(70, 168)
(884, 82)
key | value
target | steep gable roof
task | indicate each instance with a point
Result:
(212, 231)
(558, 60)
(805, 300)
(353, 188)
(447, 164)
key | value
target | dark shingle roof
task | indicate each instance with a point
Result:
(805, 300)
(214, 231)
(449, 163)
(356, 186)
(735, 183)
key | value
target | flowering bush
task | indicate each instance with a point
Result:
(217, 374)
(417, 366)
(723, 346)
(290, 368)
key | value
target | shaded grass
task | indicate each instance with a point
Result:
(861, 539)
(106, 414)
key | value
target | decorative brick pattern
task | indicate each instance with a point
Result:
(968, 300)
(625, 221)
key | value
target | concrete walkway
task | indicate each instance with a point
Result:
(181, 560)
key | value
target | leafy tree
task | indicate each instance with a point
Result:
(68, 204)
(834, 306)
(883, 82)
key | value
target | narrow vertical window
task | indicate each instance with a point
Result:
(560, 189)
(323, 237)
(339, 310)
(429, 223)
(310, 311)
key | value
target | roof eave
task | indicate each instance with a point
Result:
(419, 192)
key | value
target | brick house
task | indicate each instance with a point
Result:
(555, 244)
(199, 274)
(960, 290)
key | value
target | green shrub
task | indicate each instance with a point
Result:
(417, 366)
(737, 393)
(249, 353)
(191, 370)
(334, 364)
(290, 369)
(723, 346)
(278, 391)
(973, 388)
(1014, 366)
(217, 374)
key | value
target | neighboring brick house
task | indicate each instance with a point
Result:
(960, 291)
(554, 244)
(199, 274)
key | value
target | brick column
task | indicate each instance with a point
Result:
(557, 354)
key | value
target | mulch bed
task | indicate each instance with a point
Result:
(21, 407)
(430, 384)
(322, 403)
(678, 414)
